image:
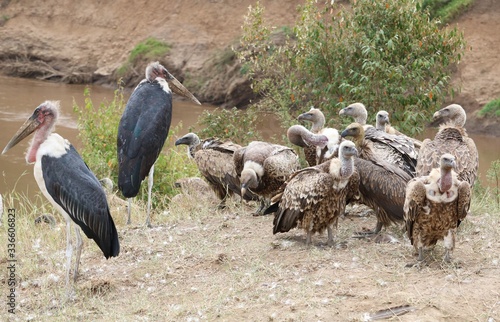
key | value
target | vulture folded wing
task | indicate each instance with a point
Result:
(415, 204)
(463, 202)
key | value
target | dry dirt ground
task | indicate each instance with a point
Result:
(202, 264)
(88, 41)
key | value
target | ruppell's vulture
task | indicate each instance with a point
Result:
(313, 198)
(434, 207)
(453, 139)
(383, 124)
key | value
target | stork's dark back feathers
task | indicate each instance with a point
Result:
(81, 199)
(142, 132)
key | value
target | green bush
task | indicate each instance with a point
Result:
(387, 54)
(492, 108)
(234, 124)
(98, 126)
(149, 49)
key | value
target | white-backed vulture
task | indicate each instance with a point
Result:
(434, 207)
(312, 154)
(383, 124)
(393, 149)
(382, 184)
(453, 139)
(313, 198)
(263, 167)
(214, 160)
(324, 146)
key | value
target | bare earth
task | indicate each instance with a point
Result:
(199, 264)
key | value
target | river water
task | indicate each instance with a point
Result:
(19, 97)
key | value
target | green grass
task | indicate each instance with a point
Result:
(446, 10)
(492, 108)
(149, 49)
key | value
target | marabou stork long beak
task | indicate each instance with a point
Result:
(26, 129)
(179, 89)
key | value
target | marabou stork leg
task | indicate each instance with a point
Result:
(79, 245)
(129, 210)
(150, 187)
(69, 253)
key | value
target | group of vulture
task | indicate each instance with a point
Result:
(426, 186)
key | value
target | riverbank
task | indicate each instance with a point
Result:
(87, 43)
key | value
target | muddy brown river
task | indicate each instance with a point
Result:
(19, 97)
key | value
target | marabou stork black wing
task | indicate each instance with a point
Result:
(142, 132)
(81, 196)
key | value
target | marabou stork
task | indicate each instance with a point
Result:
(144, 128)
(69, 185)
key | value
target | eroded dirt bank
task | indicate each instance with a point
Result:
(78, 42)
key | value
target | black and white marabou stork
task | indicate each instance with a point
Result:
(143, 130)
(69, 185)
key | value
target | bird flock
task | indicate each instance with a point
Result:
(423, 186)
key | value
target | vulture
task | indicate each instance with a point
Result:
(312, 154)
(313, 198)
(358, 112)
(214, 160)
(392, 148)
(322, 146)
(383, 124)
(453, 139)
(434, 207)
(263, 167)
(382, 184)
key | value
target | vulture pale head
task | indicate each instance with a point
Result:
(382, 120)
(250, 176)
(299, 135)
(356, 111)
(356, 131)
(316, 117)
(191, 140)
(453, 114)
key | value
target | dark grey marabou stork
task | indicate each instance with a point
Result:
(69, 185)
(144, 128)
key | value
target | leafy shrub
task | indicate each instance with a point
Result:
(98, 126)
(149, 49)
(234, 124)
(492, 108)
(386, 54)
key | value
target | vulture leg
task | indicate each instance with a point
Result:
(308, 238)
(330, 236)
(150, 187)
(79, 245)
(449, 243)
(264, 204)
(420, 254)
(129, 210)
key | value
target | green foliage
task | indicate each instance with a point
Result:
(446, 10)
(493, 176)
(149, 49)
(492, 108)
(98, 126)
(234, 124)
(386, 54)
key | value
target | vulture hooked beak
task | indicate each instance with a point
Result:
(29, 126)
